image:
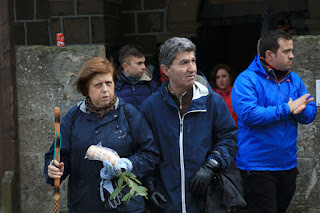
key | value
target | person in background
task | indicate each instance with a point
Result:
(194, 130)
(154, 64)
(135, 80)
(270, 101)
(106, 119)
(112, 54)
(222, 79)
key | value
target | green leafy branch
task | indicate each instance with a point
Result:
(132, 182)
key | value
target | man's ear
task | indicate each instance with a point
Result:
(125, 66)
(268, 55)
(165, 69)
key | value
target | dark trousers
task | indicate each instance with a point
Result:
(269, 191)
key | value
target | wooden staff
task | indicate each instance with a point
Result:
(57, 157)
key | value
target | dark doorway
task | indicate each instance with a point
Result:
(228, 35)
(232, 44)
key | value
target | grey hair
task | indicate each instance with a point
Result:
(172, 47)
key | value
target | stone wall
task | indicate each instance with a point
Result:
(44, 75)
(82, 21)
(44, 78)
(306, 64)
(144, 22)
(109, 22)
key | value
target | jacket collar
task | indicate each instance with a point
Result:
(224, 92)
(257, 66)
(83, 107)
(273, 71)
(146, 76)
(200, 91)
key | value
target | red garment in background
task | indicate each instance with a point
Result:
(226, 95)
(162, 77)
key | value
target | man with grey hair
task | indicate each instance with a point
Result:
(193, 128)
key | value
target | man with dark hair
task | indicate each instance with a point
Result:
(194, 130)
(270, 100)
(135, 82)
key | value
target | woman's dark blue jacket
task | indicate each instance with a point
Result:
(79, 130)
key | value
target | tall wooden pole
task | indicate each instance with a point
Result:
(57, 157)
(9, 157)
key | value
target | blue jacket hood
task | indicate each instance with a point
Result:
(257, 67)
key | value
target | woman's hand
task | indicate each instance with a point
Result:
(123, 164)
(55, 171)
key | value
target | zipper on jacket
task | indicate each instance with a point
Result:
(183, 185)
(278, 82)
(182, 170)
(134, 95)
(279, 86)
(282, 93)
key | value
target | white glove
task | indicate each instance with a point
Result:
(123, 163)
(107, 186)
(110, 170)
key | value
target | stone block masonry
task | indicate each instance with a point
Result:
(82, 21)
(107, 22)
(145, 23)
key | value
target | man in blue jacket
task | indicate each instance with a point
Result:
(135, 82)
(193, 128)
(270, 100)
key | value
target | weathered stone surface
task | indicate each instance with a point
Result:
(308, 136)
(37, 134)
(37, 196)
(306, 65)
(44, 78)
(306, 52)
